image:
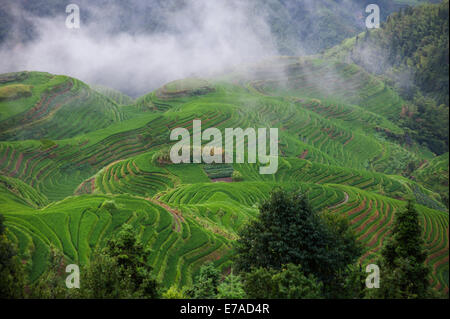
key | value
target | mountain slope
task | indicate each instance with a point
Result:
(411, 52)
(434, 174)
(57, 107)
(337, 143)
(411, 47)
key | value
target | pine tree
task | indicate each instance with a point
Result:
(231, 288)
(120, 270)
(289, 282)
(403, 273)
(288, 230)
(206, 283)
(52, 283)
(12, 270)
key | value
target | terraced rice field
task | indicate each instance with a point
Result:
(77, 163)
(79, 226)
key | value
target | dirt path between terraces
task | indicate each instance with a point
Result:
(341, 203)
(177, 215)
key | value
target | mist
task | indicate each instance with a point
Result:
(205, 37)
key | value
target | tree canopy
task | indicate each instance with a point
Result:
(288, 231)
(403, 273)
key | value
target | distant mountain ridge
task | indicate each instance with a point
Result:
(411, 52)
(298, 26)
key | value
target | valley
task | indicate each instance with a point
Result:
(77, 164)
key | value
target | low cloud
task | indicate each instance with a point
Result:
(205, 37)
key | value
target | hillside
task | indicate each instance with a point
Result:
(411, 52)
(434, 175)
(411, 48)
(71, 179)
(56, 107)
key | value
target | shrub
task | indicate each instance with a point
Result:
(288, 283)
(237, 176)
(14, 91)
(174, 293)
(231, 288)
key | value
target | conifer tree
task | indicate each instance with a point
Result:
(403, 273)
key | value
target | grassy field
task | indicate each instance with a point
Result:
(76, 163)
